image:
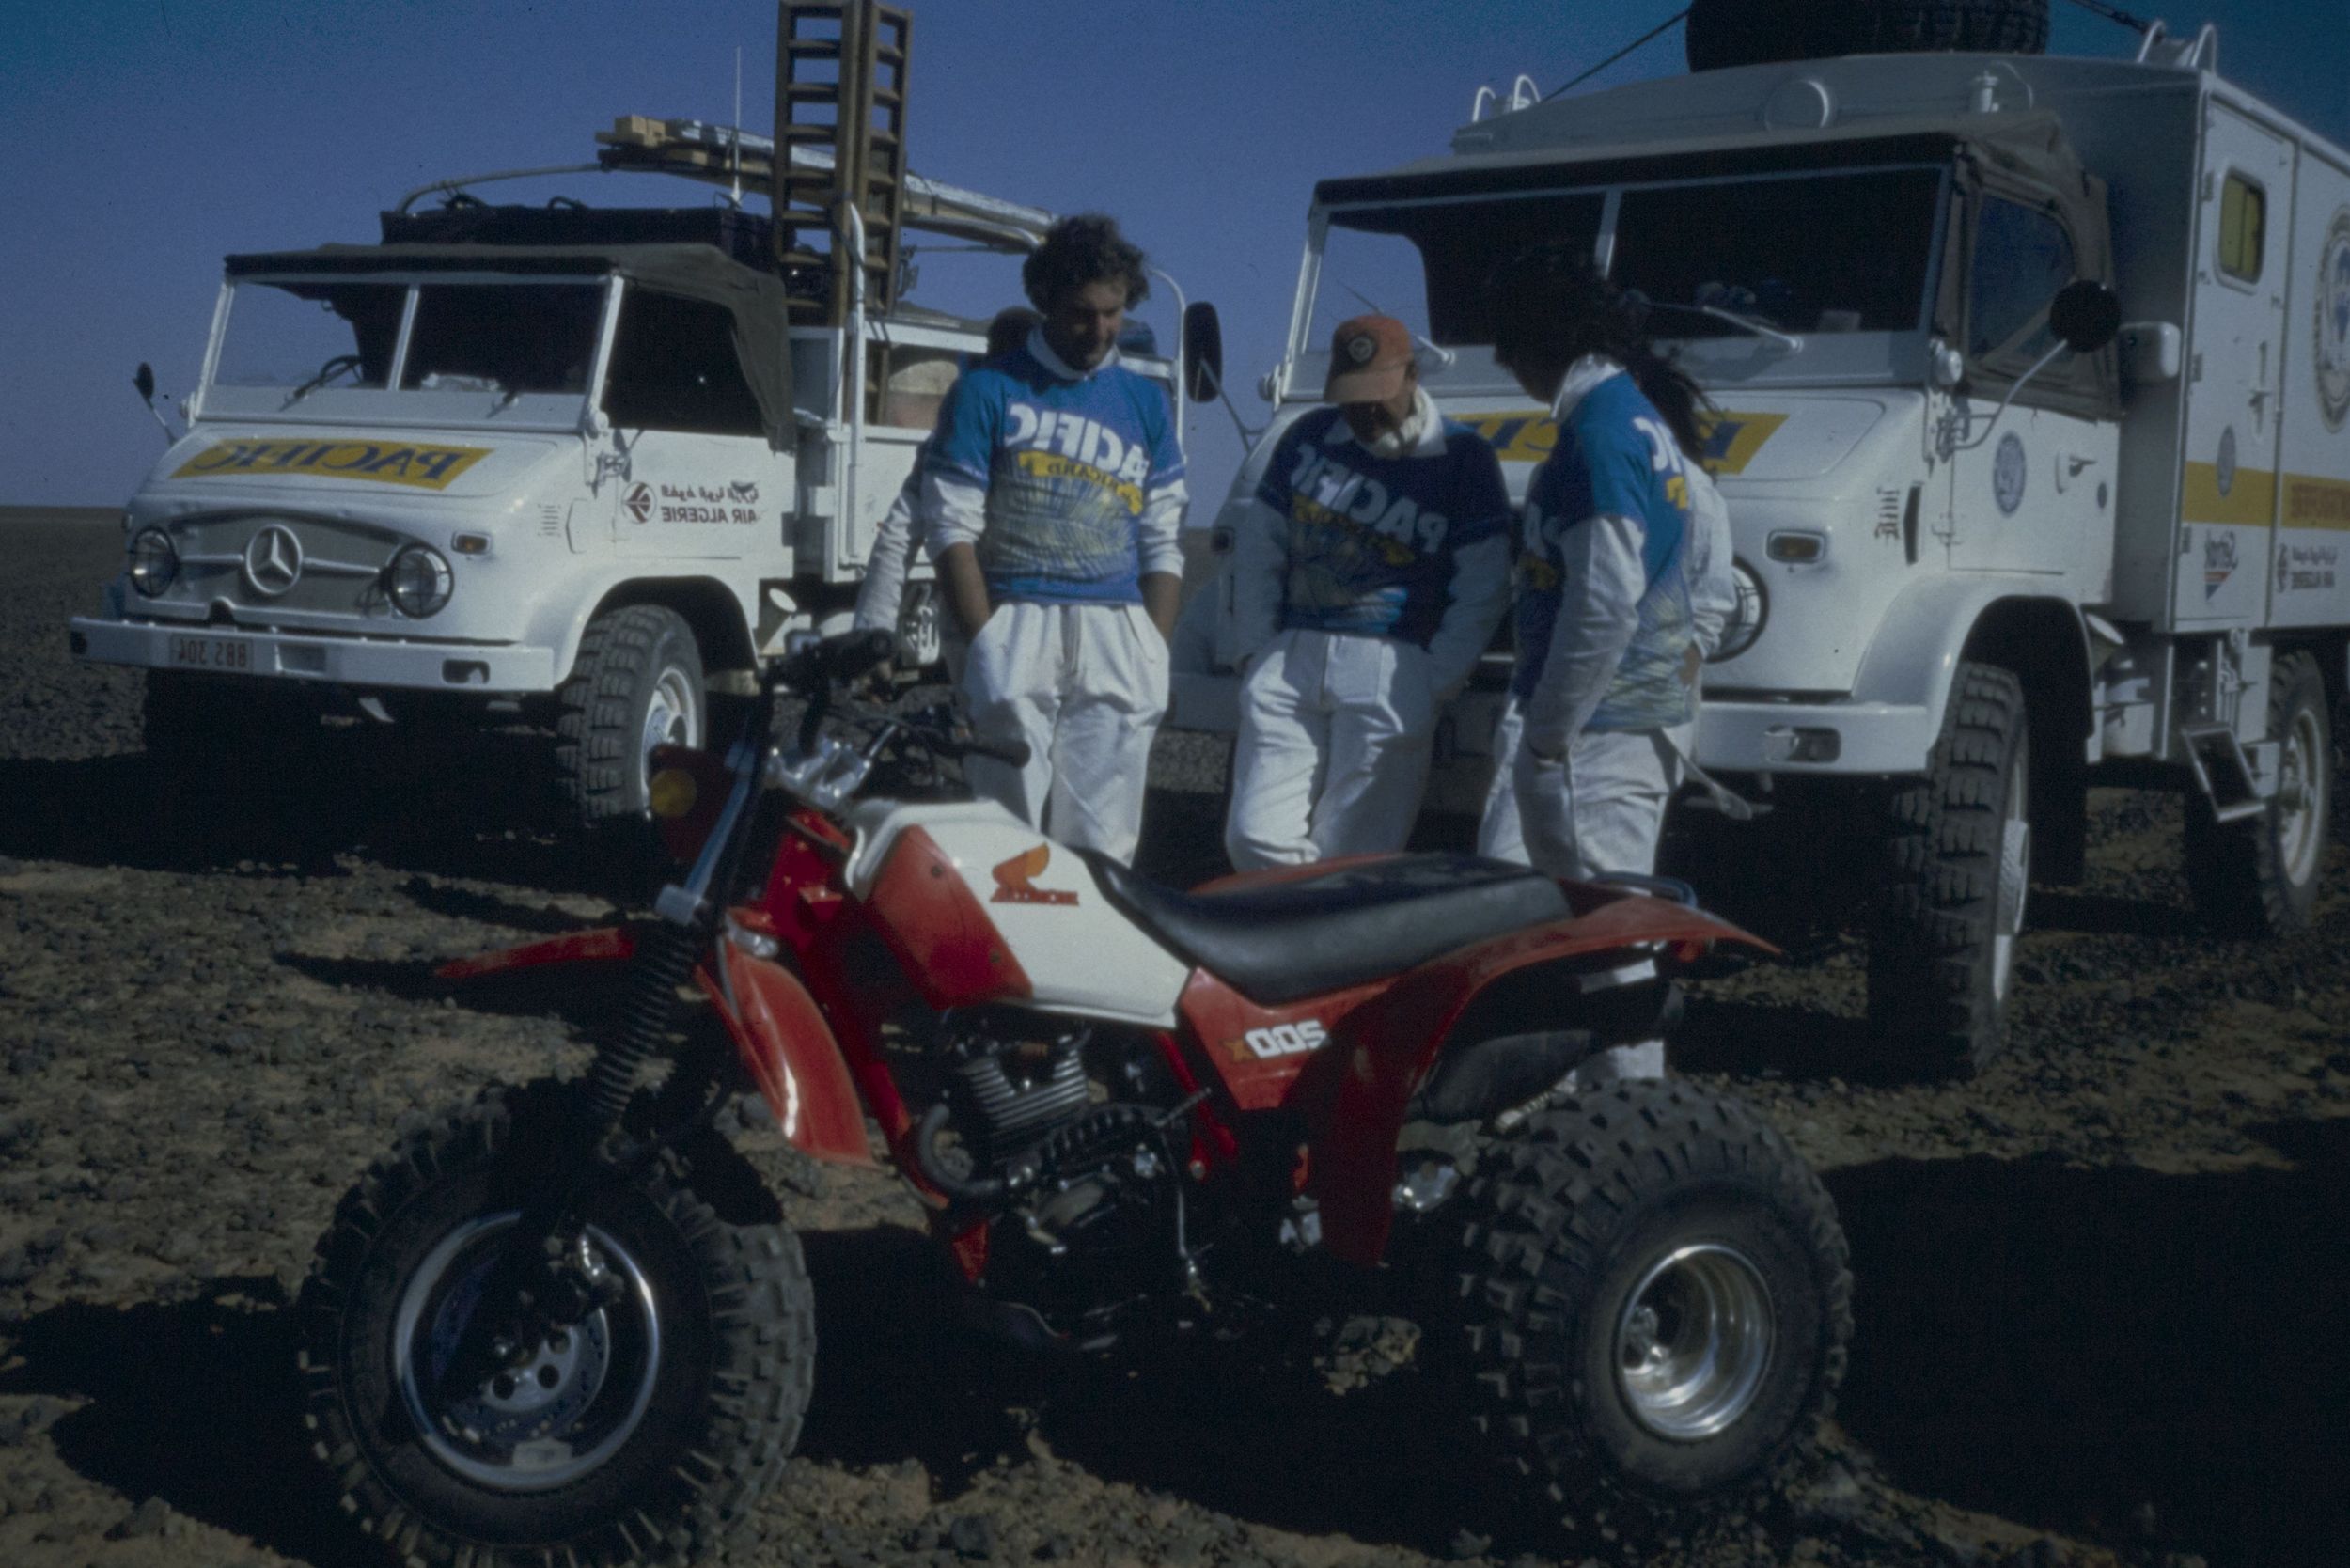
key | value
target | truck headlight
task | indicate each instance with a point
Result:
(1745, 622)
(418, 581)
(153, 561)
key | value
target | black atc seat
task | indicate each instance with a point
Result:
(1284, 941)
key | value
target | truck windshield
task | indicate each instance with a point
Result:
(507, 337)
(291, 335)
(1813, 253)
(1848, 250)
(1426, 262)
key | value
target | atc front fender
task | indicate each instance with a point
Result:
(1383, 1049)
(791, 1053)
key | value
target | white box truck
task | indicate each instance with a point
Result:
(1977, 570)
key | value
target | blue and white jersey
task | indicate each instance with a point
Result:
(1615, 458)
(1069, 466)
(1372, 542)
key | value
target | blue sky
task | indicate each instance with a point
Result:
(148, 137)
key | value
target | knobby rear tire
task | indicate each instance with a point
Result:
(1561, 1235)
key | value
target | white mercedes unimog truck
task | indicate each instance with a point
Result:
(1977, 570)
(582, 463)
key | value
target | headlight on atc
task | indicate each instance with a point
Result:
(418, 581)
(153, 561)
(1745, 622)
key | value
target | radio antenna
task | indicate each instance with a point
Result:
(737, 192)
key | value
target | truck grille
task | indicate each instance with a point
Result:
(271, 562)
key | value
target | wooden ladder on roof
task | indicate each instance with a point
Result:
(841, 93)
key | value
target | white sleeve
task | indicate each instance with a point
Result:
(1480, 592)
(882, 592)
(1260, 568)
(1162, 520)
(953, 511)
(1597, 617)
(1713, 591)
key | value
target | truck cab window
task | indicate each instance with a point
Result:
(1426, 263)
(2243, 228)
(2022, 258)
(283, 335)
(505, 337)
(673, 369)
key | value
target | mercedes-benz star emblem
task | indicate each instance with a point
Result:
(273, 561)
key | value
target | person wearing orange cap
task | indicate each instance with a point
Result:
(1369, 571)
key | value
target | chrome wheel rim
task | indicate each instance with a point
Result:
(2007, 918)
(672, 716)
(2300, 799)
(543, 1422)
(1694, 1342)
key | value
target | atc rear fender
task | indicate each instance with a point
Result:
(1383, 1049)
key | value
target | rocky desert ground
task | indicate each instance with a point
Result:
(2103, 1290)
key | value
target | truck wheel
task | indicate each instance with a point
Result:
(641, 1432)
(2258, 876)
(1941, 950)
(637, 683)
(1757, 32)
(1649, 1305)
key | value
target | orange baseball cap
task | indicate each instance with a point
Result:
(1367, 357)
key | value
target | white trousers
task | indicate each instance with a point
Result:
(1085, 686)
(1332, 751)
(1600, 808)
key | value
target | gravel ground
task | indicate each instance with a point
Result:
(2101, 1291)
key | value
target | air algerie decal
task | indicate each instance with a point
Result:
(1015, 879)
(368, 459)
(639, 503)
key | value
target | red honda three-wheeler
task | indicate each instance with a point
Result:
(568, 1324)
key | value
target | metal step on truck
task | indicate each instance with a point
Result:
(2032, 377)
(585, 465)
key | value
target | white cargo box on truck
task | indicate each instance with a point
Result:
(1966, 582)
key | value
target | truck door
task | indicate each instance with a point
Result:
(701, 482)
(2228, 491)
(2309, 584)
(2034, 494)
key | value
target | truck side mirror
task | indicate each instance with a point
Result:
(1203, 353)
(2085, 315)
(143, 383)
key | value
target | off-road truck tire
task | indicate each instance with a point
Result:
(637, 683)
(2258, 876)
(680, 1441)
(1650, 1306)
(1756, 32)
(1957, 869)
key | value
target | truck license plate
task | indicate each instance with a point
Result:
(211, 653)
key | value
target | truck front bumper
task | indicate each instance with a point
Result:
(1866, 740)
(339, 661)
(1832, 739)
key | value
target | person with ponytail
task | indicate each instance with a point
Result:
(1606, 684)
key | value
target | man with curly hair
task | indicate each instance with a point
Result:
(1051, 497)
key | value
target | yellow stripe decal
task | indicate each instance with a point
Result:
(2249, 501)
(369, 459)
(2314, 503)
(1527, 435)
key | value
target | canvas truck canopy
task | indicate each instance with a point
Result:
(755, 300)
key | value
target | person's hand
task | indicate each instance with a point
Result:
(1692, 661)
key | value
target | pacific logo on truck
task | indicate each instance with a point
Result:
(402, 462)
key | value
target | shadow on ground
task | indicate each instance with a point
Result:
(488, 812)
(2060, 1346)
(195, 1402)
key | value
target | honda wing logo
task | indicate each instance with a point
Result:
(273, 561)
(1015, 879)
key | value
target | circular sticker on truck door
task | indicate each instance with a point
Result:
(2007, 473)
(2333, 322)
